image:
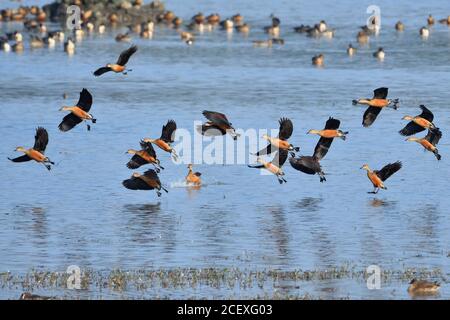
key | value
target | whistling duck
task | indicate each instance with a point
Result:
(318, 60)
(273, 166)
(144, 156)
(263, 43)
(243, 28)
(177, 22)
(101, 29)
(445, 21)
(331, 130)
(311, 164)
(123, 37)
(199, 18)
(373, 28)
(302, 29)
(227, 24)
(50, 41)
(399, 26)
(378, 102)
(430, 141)
(430, 20)
(213, 18)
(379, 54)
(167, 137)
(281, 141)
(184, 35)
(418, 123)
(362, 37)
(422, 287)
(148, 181)
(217, 125)
(90, 27)
(351, 50)
(274, 29)
(424, 32)
(36, 42)
(237, 19)
(377, 177)
(78, 113)
(4, 45)
(120, 65)
(193, 177)
(37, 152)
(30, 296)
(146, 34)
(18, 47)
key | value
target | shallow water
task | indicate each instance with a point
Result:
(79, 214)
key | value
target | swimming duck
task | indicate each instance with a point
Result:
(213, 19)
(263, 43)
(177, 22)
(42, 28)
(90, 27)
(148, 181)
(167, 137)
(4, 45)
(318, 60)
(430, 141)
(399, 26)
(50, 41)
(243, 28)
(330, 131)
(18, 47)
(430, 20)
(144, 156)
(37, 152)
(36, 42)
(373, 28)
(146, 34)
(199, 18)
(238, 19)
(227, 24)
(378, 102)
(311, 164)
(273, 166)
(184, 35)
(120, 65)
(322, 26)
(78, 113)
(193, 178)
(351, 51)
(377, 177)
(303, 29)
(418, 123)
(30, 296)
(379, 54)
(362, 37)
(123, 37)
(101, 28)
(445, 21)
(217, 125)
(281, 141)
(423, 287)
(424, 32)
(274, 29)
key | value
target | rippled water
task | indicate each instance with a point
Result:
(80, 214)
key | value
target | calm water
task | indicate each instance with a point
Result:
(80, 214)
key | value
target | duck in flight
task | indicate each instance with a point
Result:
(378, 102)
(120, 65)
(418, 123)
(281, 141)
(144, 156)
(167, 137)
(311, 164)
(377, 177)
(331, 130)
(37, 152)
(430, 141)
(274, 166)
(78, 113)
(147, 181)
(217, 125)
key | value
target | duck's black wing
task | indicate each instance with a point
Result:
(286, 128)
(217, 118)
(388, 170)
(151, 174)
(433, 136)
(280, 158)
(210, 130)
(266, 150)
(148, 147)
(101, 71)
(168, 130)
(380, 93)
(23, 158)
(125, 55)
(305, 164)
(136, 184)
(411, 128)
(68, 122)
(40, 140)
(426, 113)
(322, 147)
(85, 101)
(332, 124)
(370, 115)
(135, 162)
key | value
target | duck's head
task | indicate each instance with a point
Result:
(109, 65)
(413, 281)
(412, 139)
(20, 149)
(148, 140)
(365, 167)
(312, 131)
(65, 108)
(189, 166)
(135, 175)
(130, 151)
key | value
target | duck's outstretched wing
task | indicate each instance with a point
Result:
(68, 122)
(388, 170)
(370, 115)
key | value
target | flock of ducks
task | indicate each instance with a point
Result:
(217, 123)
